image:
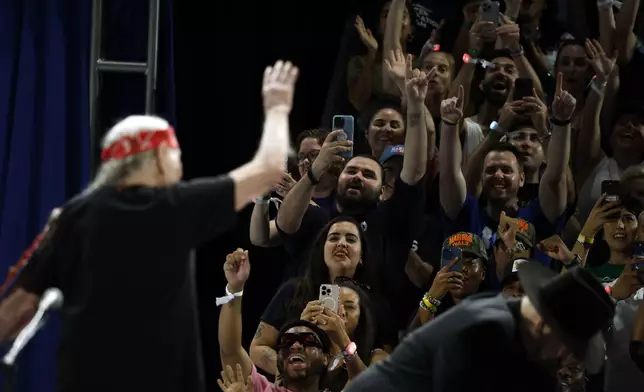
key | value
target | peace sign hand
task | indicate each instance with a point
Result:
(234, 382)
(599, 61)
(452, 108)
(563, 105)
(416, 87)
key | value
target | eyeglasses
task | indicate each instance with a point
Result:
(310, 156)
(306, 339)
(345, 279)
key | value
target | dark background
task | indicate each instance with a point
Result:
(220, 56)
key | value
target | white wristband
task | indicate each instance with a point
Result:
(228, 297)
(604, 4)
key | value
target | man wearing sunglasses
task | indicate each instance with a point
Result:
(303, 348)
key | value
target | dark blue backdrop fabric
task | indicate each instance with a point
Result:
(44, 122)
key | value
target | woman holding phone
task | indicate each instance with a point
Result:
(339, 254)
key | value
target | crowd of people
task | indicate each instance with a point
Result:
(490, 235)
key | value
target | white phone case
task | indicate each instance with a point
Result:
(330, 296)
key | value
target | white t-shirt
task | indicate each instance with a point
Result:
(473, 136)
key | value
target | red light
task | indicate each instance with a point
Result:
(608, 289)
(436, 48)
(466, 58)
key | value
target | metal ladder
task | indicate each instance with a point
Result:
(98, 65)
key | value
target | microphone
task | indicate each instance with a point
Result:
(52, 299)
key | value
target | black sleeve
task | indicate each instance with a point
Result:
(276, 313)
(404, 211)
(313, 221)
(42, 269)
(205, 207)
(637, 354)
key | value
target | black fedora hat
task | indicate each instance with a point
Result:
(574, 304)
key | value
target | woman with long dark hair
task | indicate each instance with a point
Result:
(340, 253)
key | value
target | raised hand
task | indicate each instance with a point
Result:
(366, 36)
(334, 326)
(555, 247)
(602, 65)
(627, 283)
(538, 112)
(563, 105)
(234, 381)
(510, 111)
(434, 39)
(452, 108)
(602, 212)
(330, 153)
(416, 86)
(398, 67)
(509, 33)
(237, 270)
(284, 186)
(445, 281)
(279, 86)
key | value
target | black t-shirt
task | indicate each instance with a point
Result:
(122, 260)
(473, 347)
(390, 230)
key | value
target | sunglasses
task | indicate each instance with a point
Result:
(306, 339)
(344, 279)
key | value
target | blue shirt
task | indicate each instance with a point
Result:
(473, 218)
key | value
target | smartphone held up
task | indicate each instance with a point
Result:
(345, 123)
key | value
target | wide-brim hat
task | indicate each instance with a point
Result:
(574, 304)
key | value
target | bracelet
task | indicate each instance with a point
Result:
(559, 123)
(432, 300)
(574, 262)
(517, 53)
(312, 179)
(228, 297)
(467, 25)
(604, 4)
(474, 53)
(448, 122)
(425, 304)
(582, 239)
(262, 200)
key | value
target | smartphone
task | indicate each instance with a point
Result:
(639, 266)
(449, 254)
(523, 87)
(490, 12)
(612, 191)
(330, 296)
(345, 123)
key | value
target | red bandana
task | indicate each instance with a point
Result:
(141, 142)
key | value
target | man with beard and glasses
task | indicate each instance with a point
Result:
(498, 344)
(503, 175)
(303, 347)
(390, 226)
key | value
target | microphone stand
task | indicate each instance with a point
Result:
(10, 373)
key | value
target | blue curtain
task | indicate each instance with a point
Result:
(44, 123)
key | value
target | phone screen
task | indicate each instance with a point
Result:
(448, 255)
(346, 123)
(611, 189)
(522, 88)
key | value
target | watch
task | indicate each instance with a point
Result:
(496, 128)
(350, 351)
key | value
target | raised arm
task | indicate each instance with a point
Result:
(267, 167)
(553, 195)
(588, 147)
(452, 186)
(625, 38)
(231, 351)
(510, 34)
(415, 158)
(290, 214)
(392, 40)
(263, 231)
(360, 72)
